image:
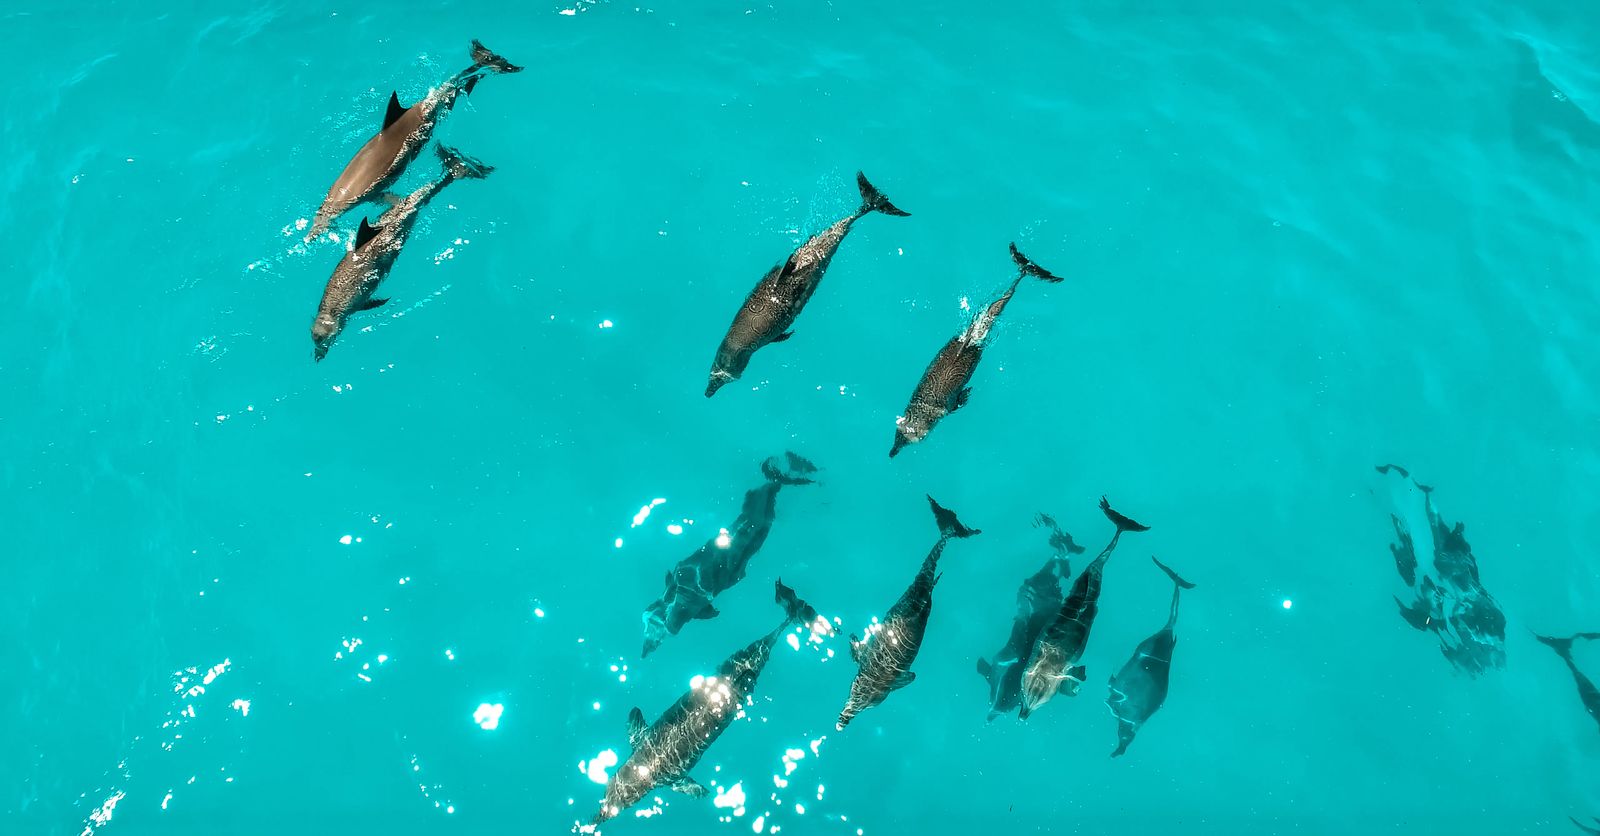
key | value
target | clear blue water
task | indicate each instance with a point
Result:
(1301, 239)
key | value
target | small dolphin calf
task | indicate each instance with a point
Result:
(365, 266)
(771, 308)
(1587, 692)
(1038, 600)
(891, 646)
(405, 130)
(665, 751)
(1140, 688)
(943, 388)
(719, 564)
(1053, 665)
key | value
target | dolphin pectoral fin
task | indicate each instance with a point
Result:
(903, 680)
(366, 233)
(636, 728)
(372, 303)
(395, 111)
(855, 648)
(689, 786)
(984, 668)
(960, 398)
(784, 336)
(708, 612)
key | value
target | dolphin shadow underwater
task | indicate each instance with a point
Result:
(1448, 598)
(718, 565)
(769, 312)
(1038, 599)
(665, 751)
(384, 157)
(885, 656)
(1053, 661)
(1138, 690)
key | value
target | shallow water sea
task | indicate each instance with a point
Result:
(1301, 239)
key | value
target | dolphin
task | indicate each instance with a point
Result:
(886, 655)
(1586, 828)
(1038, 599)
(943, 388)
(1139, 689)
(770, 310)
(1587, 692)
(1053, 665)
(665, 751)
(1447, 595)
(719, 564)
(365, 265)
(405, 130)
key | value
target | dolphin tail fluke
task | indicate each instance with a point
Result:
(797, 472)
(1029, 268)
(459, 166)
(873, 200)
(1121, 522)
(483, 57)
(949, 526)
(1562, 647)
(795, 607)
(1173, 575)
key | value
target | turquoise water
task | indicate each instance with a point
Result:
(1300, 240)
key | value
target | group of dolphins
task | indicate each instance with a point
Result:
(1042, 658)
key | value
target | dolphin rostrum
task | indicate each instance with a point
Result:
(770, 310)
(1587, 692)
(1140, 688)
(885, 656)
(719, 564)
(943, 388)
(665, 751)
(1053, 665)
(405, 130)
(1038, 599)
(366, 264)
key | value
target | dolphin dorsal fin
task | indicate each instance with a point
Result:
(366, 233)
(396, 110)
(636, 728)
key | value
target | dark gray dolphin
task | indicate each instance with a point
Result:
(891, 646)
(770, 310)
(1447, 596)
(1038, 599)
(1586, 828)
(665, 751)
(366, 264)
(1053, 665)
(1587, 692)
(405, 130)
(1140, 688)
(719, 564)
(943, 388)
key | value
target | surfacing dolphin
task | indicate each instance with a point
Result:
(719, 564)
(770, 310)
(1038, 599)
(366, 264)
(885, 656)
(1053, 665)
(1138, 690)
(943, 388)
(405, 130)
(1587, 692)
(665, 751)
(1448, 597)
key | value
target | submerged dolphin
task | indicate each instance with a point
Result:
(365, 266)
(719, 564)
(771, 308)
(1038, 599)
(1448, 598)
(665, 751)
(405, 130)
(1053, 665)
(891, 646)
(1587, 692)
(1140, 688)
(1586, 828)
(943, 388)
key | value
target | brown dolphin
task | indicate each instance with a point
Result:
(775, 303)
(943, 388)
(405, 130)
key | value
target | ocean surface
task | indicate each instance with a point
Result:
(400, 590)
